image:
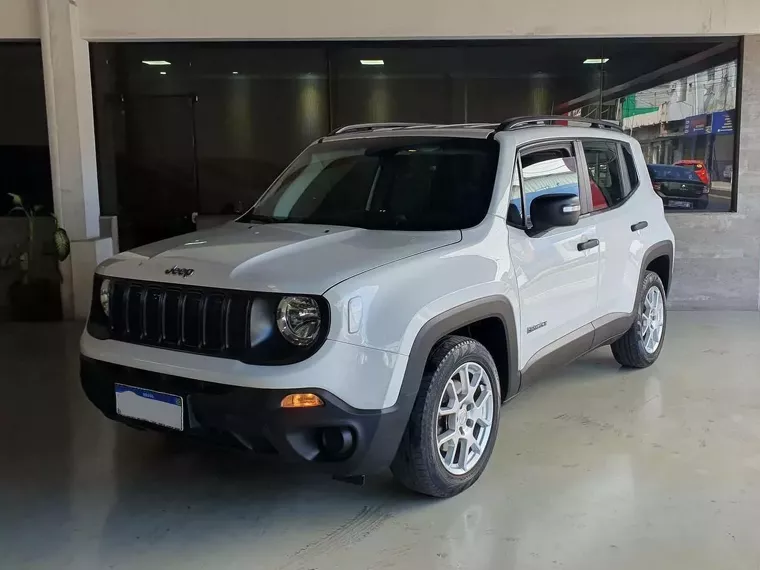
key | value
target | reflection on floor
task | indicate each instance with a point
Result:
(595, 468)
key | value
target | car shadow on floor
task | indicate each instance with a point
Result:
(184, 488)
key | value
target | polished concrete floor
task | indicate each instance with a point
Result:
(594, 468)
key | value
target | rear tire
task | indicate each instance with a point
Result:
(452, 428)
(640, 346)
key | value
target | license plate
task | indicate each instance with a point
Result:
(680, 204)
(150, 406)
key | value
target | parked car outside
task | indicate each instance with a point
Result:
(680, 187)
(698, 167)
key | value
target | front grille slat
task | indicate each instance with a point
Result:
(134, 312)
(193, 320)
(171, 317)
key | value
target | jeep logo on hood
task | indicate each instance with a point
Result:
(184, 272)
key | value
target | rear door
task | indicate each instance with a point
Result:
(621, 221)
(556, 280)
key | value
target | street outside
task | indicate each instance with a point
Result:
(720, 198)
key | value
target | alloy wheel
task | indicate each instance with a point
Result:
(465, 416)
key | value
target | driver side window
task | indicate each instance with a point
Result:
(541, 171)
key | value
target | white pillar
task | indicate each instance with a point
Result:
(68, 93)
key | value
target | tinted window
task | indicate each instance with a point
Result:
(405, 183)
(630, 165)
(607, 188)
(667, 172)
(552, 171)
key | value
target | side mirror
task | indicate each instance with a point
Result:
(553, 210)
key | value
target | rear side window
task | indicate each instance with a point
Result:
(672, 173)
(630, 166)
(605, 174)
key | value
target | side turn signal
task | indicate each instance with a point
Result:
(301, 401)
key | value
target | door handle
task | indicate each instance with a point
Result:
(639, 226)
(590, 244)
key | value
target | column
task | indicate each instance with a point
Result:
(68, 93)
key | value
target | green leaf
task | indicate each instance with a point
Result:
(17, 209)
(38, 207)
(16, 199)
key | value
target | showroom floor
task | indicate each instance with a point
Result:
(595, 468)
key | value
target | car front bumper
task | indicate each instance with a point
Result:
(253, 419)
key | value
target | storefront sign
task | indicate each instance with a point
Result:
(722, 123)
(719, 123)
(694, 126)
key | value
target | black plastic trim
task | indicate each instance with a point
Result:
(611, 327)
(590, 244)
(273, 351)
(557, 354)
(252, 419)
(639, 226)
(659, 249)
(436, 329)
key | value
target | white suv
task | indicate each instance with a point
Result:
(394, 286)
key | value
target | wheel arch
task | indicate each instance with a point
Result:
(659, 258)
(490, 320)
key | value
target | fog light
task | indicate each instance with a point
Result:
(336, 442)
(301, 401)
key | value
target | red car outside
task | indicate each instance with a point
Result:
(698, 167)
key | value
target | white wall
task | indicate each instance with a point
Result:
(300, 19)
(19, 20)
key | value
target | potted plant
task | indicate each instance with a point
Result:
(34, 295)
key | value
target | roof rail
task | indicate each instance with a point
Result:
(545, 120)
(372, 126)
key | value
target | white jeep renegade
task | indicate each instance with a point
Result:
(394, 286)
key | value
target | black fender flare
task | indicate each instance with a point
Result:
(456, 318)
(429, 335)
(659, 249)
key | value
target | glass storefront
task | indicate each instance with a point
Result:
(24, 147)
(205, 127)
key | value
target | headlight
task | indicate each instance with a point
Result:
(299, 320)
(105, 296)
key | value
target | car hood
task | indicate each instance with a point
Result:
(285, 258)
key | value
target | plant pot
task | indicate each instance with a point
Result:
(37, 300)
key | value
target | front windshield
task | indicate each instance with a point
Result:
(401, 183)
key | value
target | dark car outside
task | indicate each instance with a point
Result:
(679, 187)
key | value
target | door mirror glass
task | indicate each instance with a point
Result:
(554, 210)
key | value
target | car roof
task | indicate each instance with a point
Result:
(689, 161)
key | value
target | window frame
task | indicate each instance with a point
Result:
(625, 179)
(532, 146)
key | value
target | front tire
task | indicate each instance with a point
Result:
(640, 346)
(453, 425)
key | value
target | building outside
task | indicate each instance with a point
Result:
(136, 121)
(692, 118)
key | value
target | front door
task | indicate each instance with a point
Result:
(160, 193)
(556, 279)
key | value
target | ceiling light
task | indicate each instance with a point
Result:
(163, 73)
(156, 62)
(371, 62)
(234, 73)
(596, 60)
